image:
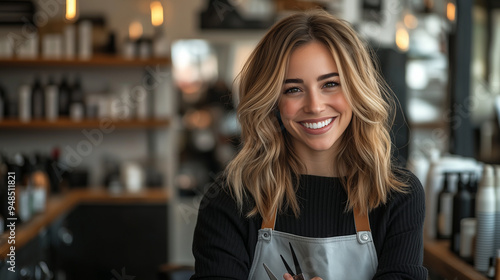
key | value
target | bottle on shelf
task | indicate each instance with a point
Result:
(40, 182)
(85, 39)
(56, 172)
(491, 268)
(485, 215)
(37, 100)
(25, 103)
(69, 41)
(51, 103)
(467, 236)
(77, 104)
(64, 97)
(472, 187)
(445, 210)
(461, 210)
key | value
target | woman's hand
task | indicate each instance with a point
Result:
(287, 276)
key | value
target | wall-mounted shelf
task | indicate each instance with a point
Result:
(95, 60)
(88, 123)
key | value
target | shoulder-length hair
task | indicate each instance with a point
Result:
(266, 167)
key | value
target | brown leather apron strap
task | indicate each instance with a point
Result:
(361, 221)
(269, 223)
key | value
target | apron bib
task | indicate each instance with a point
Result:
(332, 258)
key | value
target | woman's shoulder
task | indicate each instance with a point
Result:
(412, 188)
(406, 177)
(220, 195)
(217, 194)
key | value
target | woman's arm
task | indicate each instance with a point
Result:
(401, 254)
(222, 245)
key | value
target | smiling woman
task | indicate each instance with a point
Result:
(313, 181)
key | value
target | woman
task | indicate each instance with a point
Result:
(313, 179)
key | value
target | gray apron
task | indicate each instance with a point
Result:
(332, 258)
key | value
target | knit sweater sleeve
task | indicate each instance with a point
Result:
(222, 246)
(401, 250)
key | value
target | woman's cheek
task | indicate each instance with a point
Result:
(288, 109)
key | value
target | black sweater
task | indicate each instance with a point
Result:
(224, 240)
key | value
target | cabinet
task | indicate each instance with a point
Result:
(108, 240)
(92, 234)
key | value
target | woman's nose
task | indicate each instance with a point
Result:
(314, 102)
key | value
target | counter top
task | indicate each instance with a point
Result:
(62, 203)
(439, 258)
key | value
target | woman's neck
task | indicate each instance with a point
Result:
(319, 163)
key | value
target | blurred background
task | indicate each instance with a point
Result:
(116, 115)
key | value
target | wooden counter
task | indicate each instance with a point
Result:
(63, 203)
(439, 258)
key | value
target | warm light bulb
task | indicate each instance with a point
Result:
(70, 9)
(402, 38)
(156, 13)
(410, 21)
(135, 30)
(450, 11)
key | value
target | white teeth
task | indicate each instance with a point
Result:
(318, 124)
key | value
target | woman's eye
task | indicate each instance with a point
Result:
(330, 84)
(292, 90)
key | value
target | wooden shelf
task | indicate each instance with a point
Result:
(428, 125)
(60, 204)
(439, 258)
(105, 123)
(96, 60)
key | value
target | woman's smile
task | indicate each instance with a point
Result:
(318, 126)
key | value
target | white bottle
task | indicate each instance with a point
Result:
(467, 235)
(497, 209)
(25, 103)
(85, 39)
(69, 41)
(485, 215)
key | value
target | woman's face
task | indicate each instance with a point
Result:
(312, 105)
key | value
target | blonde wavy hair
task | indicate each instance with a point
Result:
(266, 167)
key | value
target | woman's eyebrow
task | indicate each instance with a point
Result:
(326, 76)
(294, 81)
(300, 81)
